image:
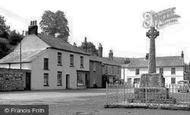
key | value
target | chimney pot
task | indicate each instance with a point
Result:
(182, 54)
(33, 28)
(111, 55)
(100, 50)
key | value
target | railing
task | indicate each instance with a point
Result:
(125, 93)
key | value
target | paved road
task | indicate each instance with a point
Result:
(72, 102)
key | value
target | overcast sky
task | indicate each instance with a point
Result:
(117, 24)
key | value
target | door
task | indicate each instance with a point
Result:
(28, 81)
(86, 80)
(104, 80)
(67, 81)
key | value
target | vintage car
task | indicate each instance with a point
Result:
(184, 86)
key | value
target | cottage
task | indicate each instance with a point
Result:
(171, 67)
(54, 64)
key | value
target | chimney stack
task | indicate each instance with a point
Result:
(182, 54)
(33, 28)
(111, 55)
(100, 50)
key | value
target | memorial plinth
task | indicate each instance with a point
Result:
(152, 90)
(152, 80)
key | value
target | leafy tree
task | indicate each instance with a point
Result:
(4, 43)
(15, 37)
(55, 24)
(4, 29)
(8, 39)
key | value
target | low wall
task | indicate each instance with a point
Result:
(12, 79)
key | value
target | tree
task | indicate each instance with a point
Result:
(4, 35)
(4, 29)
(8, 39)
(15, 37)
(55, 24)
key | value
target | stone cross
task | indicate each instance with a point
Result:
(152, 34)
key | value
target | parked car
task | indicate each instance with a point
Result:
(184, 86)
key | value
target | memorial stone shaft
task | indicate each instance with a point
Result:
(152, 34)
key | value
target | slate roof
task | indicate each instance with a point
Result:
(53, 42)
(95, 58)
(105, 60)
(121, 60)
(167, 61)
(60, 44)
(14, 57)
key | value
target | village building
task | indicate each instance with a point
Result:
(171, 67)
(101, 69)
(53, 63)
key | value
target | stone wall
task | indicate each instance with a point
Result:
(12, 79)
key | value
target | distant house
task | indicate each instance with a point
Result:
(102, 69)
(54, 64)
(171, 67)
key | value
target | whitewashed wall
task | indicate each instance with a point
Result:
(130, 73)
(51, 54)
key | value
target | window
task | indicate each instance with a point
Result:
(59, 78)
(112, 69)
(71, 60)
(137, 72)
(172, 80)
(136, 80)
(59, 59)
(46, 63)
(94, 66)
(118, 70)
(46, 79)
(106, 69)
(80, 79)
(81, 62)
(172, 71)
(161, 70)
(129, 81)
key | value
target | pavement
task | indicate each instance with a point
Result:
(76, 102)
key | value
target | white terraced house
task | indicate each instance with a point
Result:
(171, 67)
(53, 63)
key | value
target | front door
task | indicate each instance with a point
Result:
(86, 80)
(28, 81)
(104, 80)
(67, 81)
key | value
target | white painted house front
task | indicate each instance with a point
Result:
(171, 67)
(54, 64)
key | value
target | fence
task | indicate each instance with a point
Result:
(126, 93)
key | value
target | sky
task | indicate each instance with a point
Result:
(116, 24)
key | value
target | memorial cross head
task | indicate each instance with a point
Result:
(152, 33)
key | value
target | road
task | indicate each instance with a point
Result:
(76, 102)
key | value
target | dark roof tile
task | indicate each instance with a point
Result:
(167, 61)
(59, 43)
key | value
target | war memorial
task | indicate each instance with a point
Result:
(152, 92)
